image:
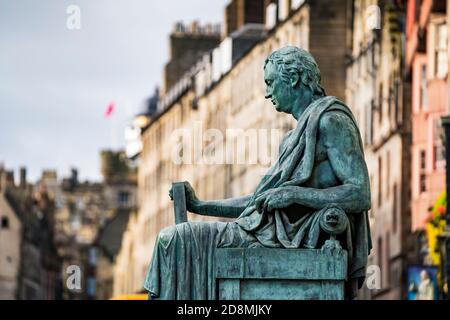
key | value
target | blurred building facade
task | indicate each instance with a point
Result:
(120, 192)
(187, 44)
(427, 63)
(79, 215)
(54, 225)
(84, 213)
(31, 261)
(380, 99)
(239, 13)
(10, 241)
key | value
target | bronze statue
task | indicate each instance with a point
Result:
(320, 166)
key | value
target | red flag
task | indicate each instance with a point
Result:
(109, 109)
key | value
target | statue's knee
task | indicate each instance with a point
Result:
(166, 234)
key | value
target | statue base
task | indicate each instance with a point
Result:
(275, 274)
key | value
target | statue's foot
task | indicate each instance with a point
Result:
(332, 247)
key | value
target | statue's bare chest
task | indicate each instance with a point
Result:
(323, 175)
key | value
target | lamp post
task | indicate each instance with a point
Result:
(446, 237)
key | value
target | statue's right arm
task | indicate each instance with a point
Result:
(227, 208)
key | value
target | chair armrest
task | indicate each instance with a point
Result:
(179, 202)
(334, 221)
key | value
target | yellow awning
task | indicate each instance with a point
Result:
(134, 296)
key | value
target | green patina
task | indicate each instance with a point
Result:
(303, 233)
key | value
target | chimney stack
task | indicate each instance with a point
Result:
(23, 177)
(74, 176)
(9, 179)
(2, 178)
(6, 179)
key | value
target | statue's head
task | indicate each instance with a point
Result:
(291, 74)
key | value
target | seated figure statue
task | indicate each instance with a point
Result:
(320, 165)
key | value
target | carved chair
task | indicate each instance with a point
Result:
(272, 273)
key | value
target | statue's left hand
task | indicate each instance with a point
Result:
(278, 198)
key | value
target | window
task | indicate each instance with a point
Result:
(5, 222)
(370, 121)
(380, 102)
(394, 208)
(388, 174)
(380, 181)
(92, 256)
(91, 287)
(359, 63)
(441, 62)
(368, 124)
(370, 61)
(123, 197)
(380, 257)
(397, 104)
(438, 146)
(388, 260)
(423, 87)
(423, 178)
(390, 98)
(422, 159)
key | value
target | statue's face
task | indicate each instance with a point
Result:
(277, 90)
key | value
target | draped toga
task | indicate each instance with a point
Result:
(182, 265)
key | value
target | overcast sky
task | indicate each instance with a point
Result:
(56, 83)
